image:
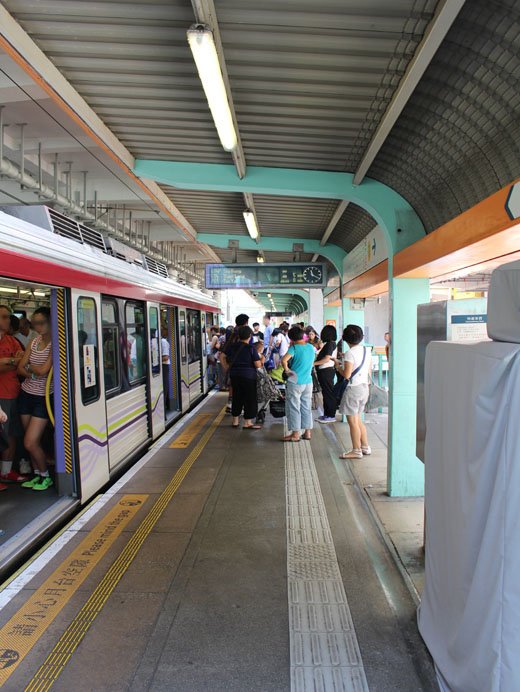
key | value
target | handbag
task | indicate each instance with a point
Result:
(377, 398)
(265, 387)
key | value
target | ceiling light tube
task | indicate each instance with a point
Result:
(200, 38)
(250, 220)
(260, 259)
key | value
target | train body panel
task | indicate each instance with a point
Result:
(115, 392)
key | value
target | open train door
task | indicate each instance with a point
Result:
(155, 379)
(91, 417)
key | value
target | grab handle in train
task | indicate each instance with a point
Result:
(48, 395)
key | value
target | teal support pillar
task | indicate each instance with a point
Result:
(405, 472)
(331, 312)
(352, 316)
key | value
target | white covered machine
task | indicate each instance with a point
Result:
(470, 611)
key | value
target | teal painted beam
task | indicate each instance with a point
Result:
(396, 217)
(332, 252)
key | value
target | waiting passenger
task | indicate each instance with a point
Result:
(10, 356)
(25, 333)
(166, 365)
(242, 360)
(356, 367)
(312, 338)
(297, 363)
(325, 371)
(34, 367)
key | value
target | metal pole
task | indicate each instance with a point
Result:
(22, 151)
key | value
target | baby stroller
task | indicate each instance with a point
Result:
(277, 403)
(266, 391)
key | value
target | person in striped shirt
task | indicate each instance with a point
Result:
(34, 368)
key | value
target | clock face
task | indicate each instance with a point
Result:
(312, 275)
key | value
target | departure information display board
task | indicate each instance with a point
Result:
(272, 276)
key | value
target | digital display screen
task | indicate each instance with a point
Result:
(294, 275)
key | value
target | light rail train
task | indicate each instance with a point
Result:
(113, 395)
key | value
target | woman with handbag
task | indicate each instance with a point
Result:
(242, 360)
(356, 369)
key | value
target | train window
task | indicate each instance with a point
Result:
(153, 324)
(194, 346)
(135, 336)
(182, 334)
(110, 346)
(88, 350)
(108, 312)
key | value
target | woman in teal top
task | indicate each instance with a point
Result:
(298, 402)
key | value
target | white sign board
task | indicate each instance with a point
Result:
(367, 254)
(469, 327)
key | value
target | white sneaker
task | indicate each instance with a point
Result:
(25, 467)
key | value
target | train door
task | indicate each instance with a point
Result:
(91, 417)
(205, 343)
(194, 341)
(155, 380)
(184, 367)
(171, 377)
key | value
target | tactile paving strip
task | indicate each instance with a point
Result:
(325, 655)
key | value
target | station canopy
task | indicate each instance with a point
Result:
(94, 86)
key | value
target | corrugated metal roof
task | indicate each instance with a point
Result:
(310, 82)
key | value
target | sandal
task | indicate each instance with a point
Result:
(290, 438)
(306, 437)
(353, 454)
(251, 427)
(366, 451)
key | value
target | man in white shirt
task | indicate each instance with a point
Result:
(166, 363)
(25, 334)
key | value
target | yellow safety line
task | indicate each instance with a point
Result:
(65, 647)
(188, 434)
(26, 626)
(52, 540)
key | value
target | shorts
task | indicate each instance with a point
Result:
(354, 400)
(12, 427)
(32, 405)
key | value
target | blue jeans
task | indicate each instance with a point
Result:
(298, 406)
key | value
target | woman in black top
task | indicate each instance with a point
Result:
(324, 365)
(242, 359)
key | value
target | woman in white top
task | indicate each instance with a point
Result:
(356, 367)
(34, 368)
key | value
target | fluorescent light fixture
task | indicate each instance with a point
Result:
(200, 38)
(260, 259)
(250, 220)
(9, 290)
(269, 295)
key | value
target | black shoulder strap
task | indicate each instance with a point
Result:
(362, 363)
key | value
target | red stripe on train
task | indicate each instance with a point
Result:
(17, 266)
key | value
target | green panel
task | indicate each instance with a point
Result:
(334, 253)
(405, 473)
(388, 208)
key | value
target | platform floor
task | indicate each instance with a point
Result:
(233, 563)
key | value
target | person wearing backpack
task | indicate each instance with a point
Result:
(356, 369)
